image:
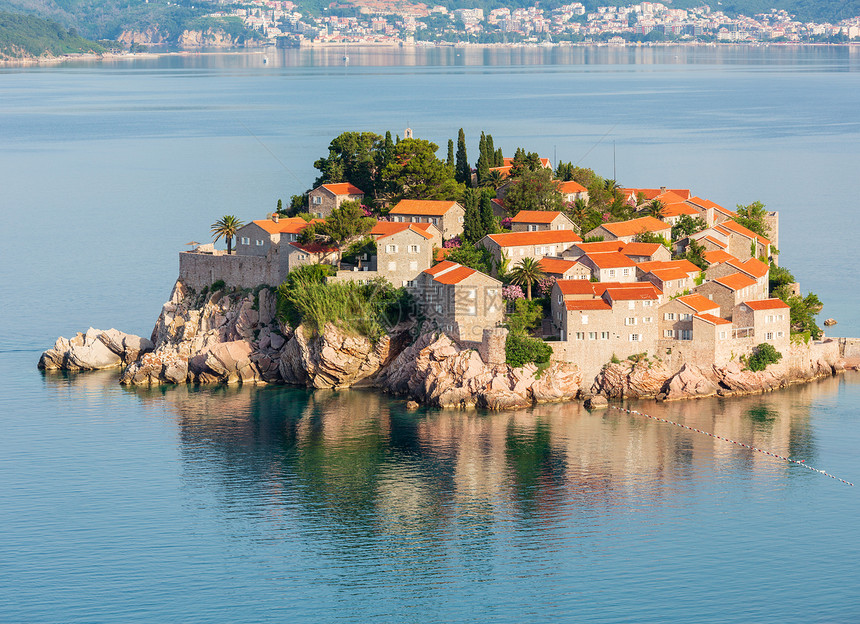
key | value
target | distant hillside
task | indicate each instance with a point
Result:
(23, 36)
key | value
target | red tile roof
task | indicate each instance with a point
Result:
(556, 265)
(343, 188)
(454, 276)
(442, 266)
(314, 248)
(641, 292)
(714, 320)
(288, 225)
(669, 273)
(685, 265)
(566, 188)
(640, 249)
(535, 216)
(677, 209)
(387, 228)
(600, 246)
(653, 193)
(575, 287)
(423, 207)
(766, 304)
(602, 287)
(610, 260)
(739, 229)
(735, 281)
(636, 226)
(698, 302)
(587, 304)
(718, 256)
(753, 267)
(716, 242)
(516, 239)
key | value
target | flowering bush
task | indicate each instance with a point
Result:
(453, 243)
(366, 210)
(545, 286)
(606, 217)
(512, 293)
(506, 223)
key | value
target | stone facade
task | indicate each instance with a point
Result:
(447, 216)
(540, 221)
(326, 198)
(518, 245)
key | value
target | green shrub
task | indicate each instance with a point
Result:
(217, 285)
(526, 316)
(521, 350)
(763, 355)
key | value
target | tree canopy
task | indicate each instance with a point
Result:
(752, 217)
(415, 173)
(533, 190)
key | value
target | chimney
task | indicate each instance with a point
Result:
(275, 217)
(662, 189)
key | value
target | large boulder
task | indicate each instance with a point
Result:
(631, 380)
(231, 362)
(94, 349)
(690, 382)
(162, 366)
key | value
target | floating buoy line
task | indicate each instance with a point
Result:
(799, 462)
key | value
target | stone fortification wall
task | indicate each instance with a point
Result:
(849, 348)
(801, 358)
(198, 270)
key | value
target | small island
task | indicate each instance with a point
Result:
(498, 284)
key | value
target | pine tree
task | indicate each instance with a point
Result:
(472, 227)
(462, 171)
(280, 207)
(488, 220)
(450, 161)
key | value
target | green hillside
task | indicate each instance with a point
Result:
(28, 36)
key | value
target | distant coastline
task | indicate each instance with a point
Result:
(268, 50)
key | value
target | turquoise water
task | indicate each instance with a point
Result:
(275, 504)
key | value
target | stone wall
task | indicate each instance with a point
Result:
(197, 270)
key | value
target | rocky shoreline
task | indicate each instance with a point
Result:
(235, 337)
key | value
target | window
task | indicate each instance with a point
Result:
(584, 319)
(560, 299)
(647, 319)
(646, 303)
(471, 293)
(391, 248)
(405, 283)
(611, 272)
(779, 334)
(631, 305)
(413, 248)
(669, 333)
(635, 337)
(722, 335)
(413, 265)
(580, 335)
(686, 334)
(625, 272)
(317, 199)
(604, 335)
(686, 317)
(246, 240)
(460, 219)
(669, 316)
(630, 320)
(410, 284)
(532, 228)
(392, 266)
(592, 335)
(768, 336)
(259, 243)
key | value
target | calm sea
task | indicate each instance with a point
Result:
(276, 504)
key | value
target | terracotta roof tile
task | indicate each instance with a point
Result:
(454, 276)
(636, 226)
(739, 229)
(600, 246)
(642, 292)
(753, 267)
(714, 320)
(640, 249)
(587, 304)
(535, 216)
(685, 265)
(676, 209)
(442, 266)
(386, 228)
(343, 188)
(715, 241)
(602, 287)
(289, 225)
(766, 304)
(669, 273)
(718, 256)
(575, 287)
(556, 265)
(516, 239)
(566, 188)
(698, 302)
(422, 207)
(610, 260)
(735, 281)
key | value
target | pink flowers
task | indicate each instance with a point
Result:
(512, 293)
(452, 243)
(506, 223)
(545, 285)
(367, 211)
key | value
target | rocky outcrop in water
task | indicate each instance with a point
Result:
(631, 380)
(435, 370)
(94, 349)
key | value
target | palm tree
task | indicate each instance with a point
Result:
(527, 272)
(579, 211)
(493, 179)
(226, 226)
(655, 209)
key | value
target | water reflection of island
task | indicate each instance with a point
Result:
(360, 460)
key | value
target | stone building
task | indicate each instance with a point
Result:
(770, 320)
(609, 266)
(729, 291)
(460, 301)
(756, 269)
(562, 269)
(447, 216)
(327, 197)
(541, 220)
(627, 231)
(518, 245)
(571, 191)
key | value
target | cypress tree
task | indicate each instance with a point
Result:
(488, 221)
(472, 226)
(280, 206)
(450, 161)
(491, 151)
(462, 172)
(500, 159)
(483, 164)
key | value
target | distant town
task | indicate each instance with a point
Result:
(381, 22)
